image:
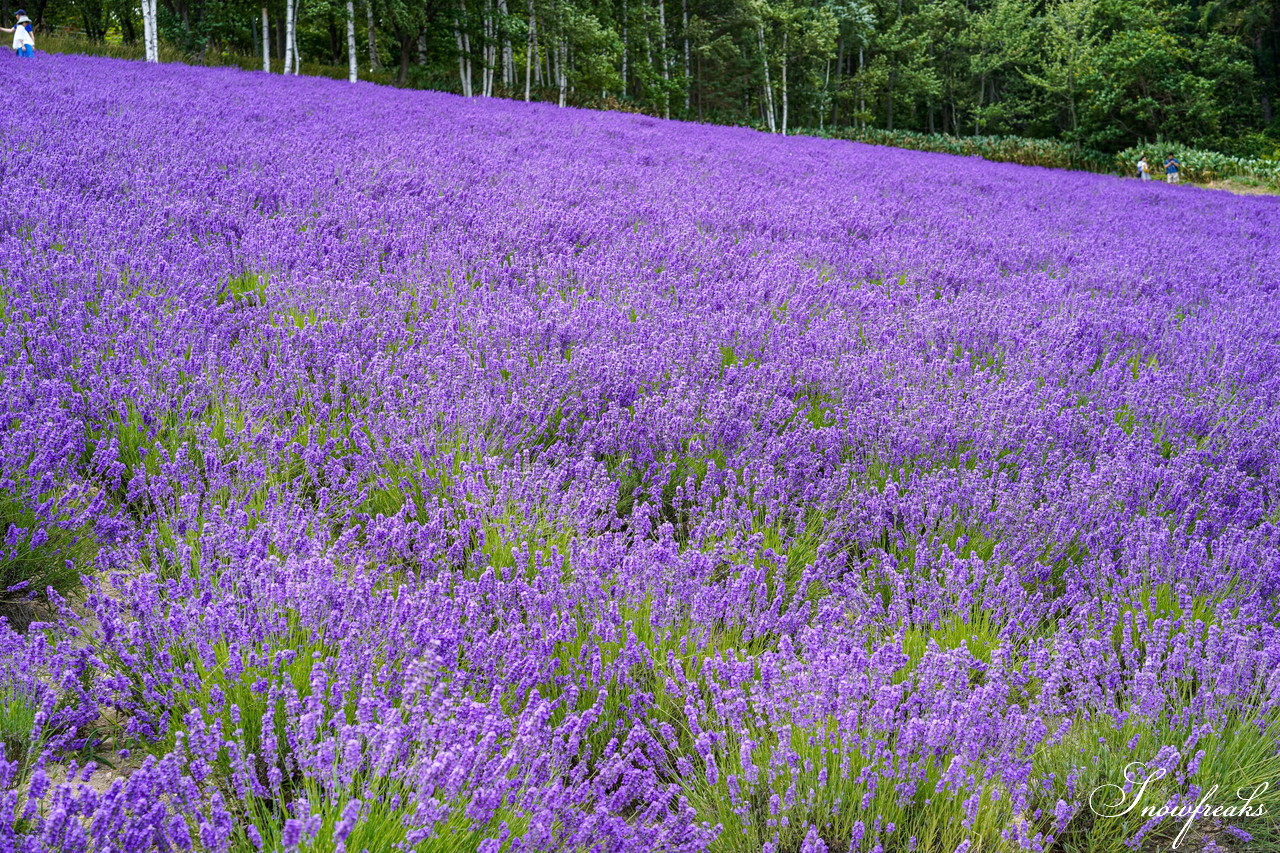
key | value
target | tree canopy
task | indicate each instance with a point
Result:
(1106, 74)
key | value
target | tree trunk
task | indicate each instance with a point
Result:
(625, 49)
(784, 82)
(548, 73)
(699, 68)
(351, 41)
(684, 13)
(374, 62)
(288, 35)
(835, 100)
(406, 54)
(531, 49)
(893, 79)
(648, 43)
(662, 53)
(562, 70)
(508, 56)
(862, 94)
(768, 86)
(293, 38)
(150, 35)
(490, 53)
(977, 116)
(127, 28)
(266, 41)
(463, 39)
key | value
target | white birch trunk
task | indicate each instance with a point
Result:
(561, 71)
(490, 53)
(768, 86)
(662, 54)
(150, 35)
(266, 41)
(351, 41)
(688, 87)
(508, 56)
(562, 57)
(293, 38)
(531, 49)
(288, 36)
(784, 82)
(464, 49)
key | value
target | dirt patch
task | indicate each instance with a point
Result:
(1241, 188)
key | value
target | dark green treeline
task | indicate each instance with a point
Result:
(1102, 73)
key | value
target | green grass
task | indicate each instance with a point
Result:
(247, 289)
(19, 737)
(380, 817)
(47, 555)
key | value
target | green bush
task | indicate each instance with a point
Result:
(1201, 166)
(1001, 149)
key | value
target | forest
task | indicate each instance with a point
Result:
(1102, 74)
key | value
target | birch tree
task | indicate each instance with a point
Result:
(463, 39)
(150, 32)
(767, 102)
(1103, 73)
(508, 55)
(662, 57)
(684, 33)
(289, 6)
(492, 52)
(293, 36)
(531, 49)
(266, 40)
(351, 41)
(562, 60)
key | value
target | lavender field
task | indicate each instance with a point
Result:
(384, 470)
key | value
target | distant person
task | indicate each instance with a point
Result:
(1144, 170)
(24, 43)
(1171, 169)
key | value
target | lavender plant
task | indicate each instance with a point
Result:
(494, 477)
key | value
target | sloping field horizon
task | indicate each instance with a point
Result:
(389, 470)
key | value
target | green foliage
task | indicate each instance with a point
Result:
(1001, 149)
(248, 289)
(1104, 74)
(18, 712)
(50, 551)
(382, 815)
(1199, 165)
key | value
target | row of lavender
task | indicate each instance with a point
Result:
(449, 475)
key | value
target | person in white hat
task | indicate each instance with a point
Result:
(24, 44)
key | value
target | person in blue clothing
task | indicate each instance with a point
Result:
(24, 43)
(1171, 169)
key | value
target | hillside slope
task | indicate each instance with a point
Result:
(486, 476)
